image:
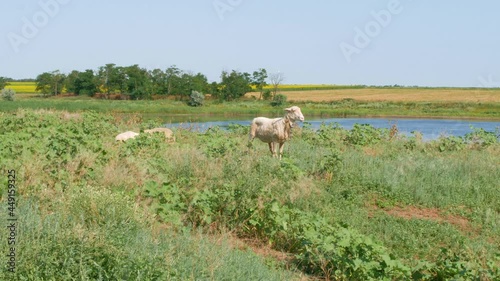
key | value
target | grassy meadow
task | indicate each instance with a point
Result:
(315, 100)
(360, 204)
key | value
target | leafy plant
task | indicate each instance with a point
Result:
(216, 144)
(363, 134)
(450, 143)
(331, 164)
(196, 99)
(169, 200)
(278, 100)
(8, 94)
(414, 141)
(481, 138)
(267, 94)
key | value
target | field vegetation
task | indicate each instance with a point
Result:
(337, 108)
(390, 94)
(22, 87)
(354, 204)
(331, 101)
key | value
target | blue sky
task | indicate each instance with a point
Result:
(376, 42)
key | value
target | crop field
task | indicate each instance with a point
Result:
(359, 204)
(393, 94)
(22, 87)
(311, 87)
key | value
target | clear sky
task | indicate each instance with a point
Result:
(371, 42)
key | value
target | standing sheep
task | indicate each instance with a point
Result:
(275, 131)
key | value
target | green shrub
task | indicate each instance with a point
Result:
(331, 164)
(450, 143)
(481, 138)
(364, 134)
(8, 94)
(278, 100)
(196, 99)
(267, 95)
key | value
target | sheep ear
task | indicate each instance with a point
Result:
(288, 109)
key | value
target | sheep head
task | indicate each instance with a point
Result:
(293, 114)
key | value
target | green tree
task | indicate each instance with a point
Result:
(214, 89)
(259, 80)
(50, 83)
(234, 85)
(190, 82)
(158, 82)
(86, 83)
(3, 82)
(111, 78)
(173, 76)
(200, 83)
(69, 83)
(138, 83)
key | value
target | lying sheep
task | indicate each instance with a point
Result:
(169, 135)
(275, 131)
(125, 136)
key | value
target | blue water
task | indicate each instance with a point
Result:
(429, 128)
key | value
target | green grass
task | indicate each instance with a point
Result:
(93, 234)
(147, 209)
(343, 108)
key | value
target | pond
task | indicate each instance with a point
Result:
(430, 128)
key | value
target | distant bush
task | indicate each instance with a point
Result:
(8, 94)
(196, 99)
(267, 94)
(279, 100)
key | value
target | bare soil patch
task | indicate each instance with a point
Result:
(430, 214)
(411, 212)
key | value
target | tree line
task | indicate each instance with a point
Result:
(135, 82)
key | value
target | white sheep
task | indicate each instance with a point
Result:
(169, 135)
(275, 131)
(125, 136)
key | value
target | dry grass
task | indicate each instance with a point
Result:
(396, 95)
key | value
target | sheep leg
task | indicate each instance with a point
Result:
(282, 145)
(250, 142)
(272, 149)
(251, 134)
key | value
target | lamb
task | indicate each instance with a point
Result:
(275, 131)
(125, 136)
(169, 135)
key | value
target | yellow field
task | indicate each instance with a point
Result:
(22, 87)
(395, 95)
